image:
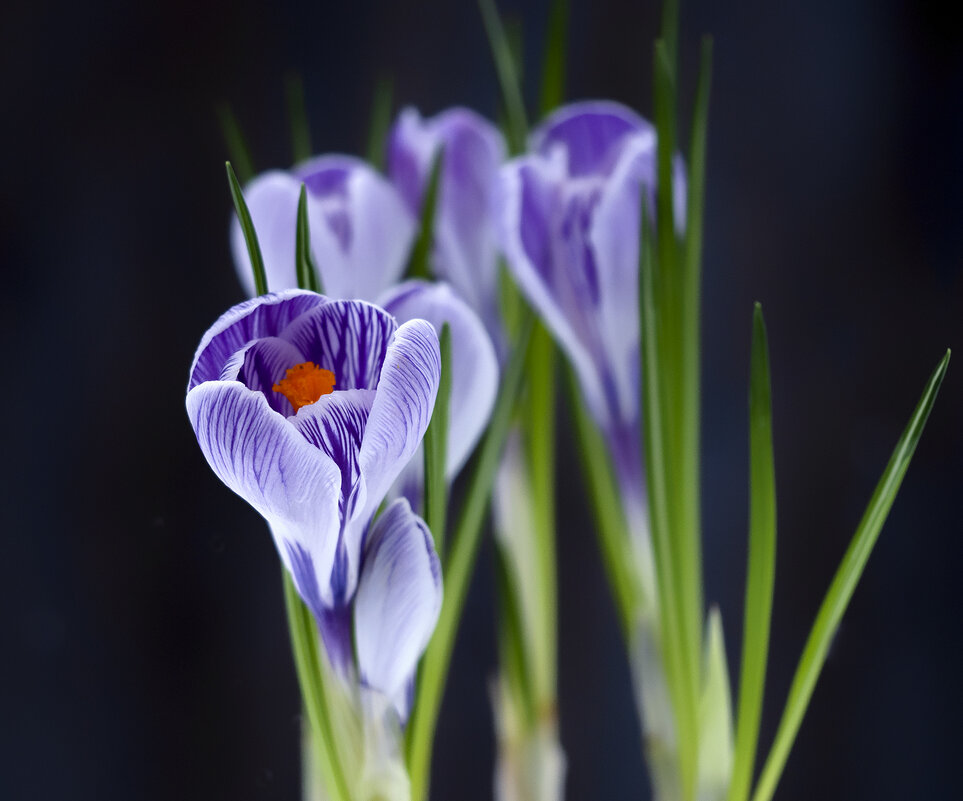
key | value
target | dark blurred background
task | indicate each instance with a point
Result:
(145, 651)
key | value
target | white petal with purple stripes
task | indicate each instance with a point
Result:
(361, 230)
(402, 408)
(349, 338)
(398, 600)
(265, 316)
(474, 367)
(259, 455)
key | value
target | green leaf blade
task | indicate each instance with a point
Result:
(419, 261)
(761, 570)
(610, 524)
(715, 715)
(307, 659)
(553, 63)
(297, 118)
(436, 450)
(843, 585)
(237, 147)
(247, 228)
(307, 271)
(381, 104)
(540, 438)
(679, 670)
(507, 76)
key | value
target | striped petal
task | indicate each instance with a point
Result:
(265, 316)
(398, 600)
(349, 338)
(533, 206)
(292, 484)
(465, 244)
(474, 367)
(590, 132)
(401, 409)
(361, 230)
(335, 424)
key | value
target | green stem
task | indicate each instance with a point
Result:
(308, 662)
(457, 571)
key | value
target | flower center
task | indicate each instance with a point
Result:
(304, 384)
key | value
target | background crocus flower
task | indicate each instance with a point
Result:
(569, 227)
(474, 370)
(361, 229)
(466, 249)
(309, 409)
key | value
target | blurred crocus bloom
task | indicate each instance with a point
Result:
(360, 228)
(474, 371)
(309, 408)
(466, 252)
(569, 226)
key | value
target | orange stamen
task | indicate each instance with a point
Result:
(304, 384)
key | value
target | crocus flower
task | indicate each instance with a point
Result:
(360, 228)
(569, 226)
(466, 250)
(361, 231)
(309, 409)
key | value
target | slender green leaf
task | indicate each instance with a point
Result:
(761, 570)
(507, 76)
(678, 661)
(237, 147)
(539, 417)
(610, 523)
(436, 449)
(297, 117)
(670, 32)
(418, 261)
(553, 62)
(457, 571)
(380, 122)
(841, 590)
(715, 715)
(308, 275)
(516, 670)
(690, 335)
(308, 662)
(247, 227)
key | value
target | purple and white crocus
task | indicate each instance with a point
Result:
(465, 250)
(569, 228)
(361, 231)
(309, 409)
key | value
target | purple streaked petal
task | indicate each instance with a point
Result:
(398, 600)
(260, 365)
(272, 199)
(259, 455)
(589, 132)
(361, 230)
(335, 424)
(265, 316)
(402, 408)
(347, 337)
(613, 238)
(532, 204)
(465, 245)
(474, 367)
